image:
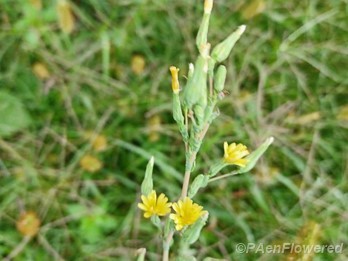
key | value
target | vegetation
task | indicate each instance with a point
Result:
(86, 100)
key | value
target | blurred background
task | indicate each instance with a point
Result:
(85, 100)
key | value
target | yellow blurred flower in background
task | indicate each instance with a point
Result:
(154, 206)
(65, 16)
(99, 142)
(343, 113)
(37, 4)
(28, 224)
(187, 213)
(138, 64)
(40, 70)
(90, 163)
(234, 154)
(154, 125)
(254, 8)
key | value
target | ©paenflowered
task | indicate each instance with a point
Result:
(193, 111)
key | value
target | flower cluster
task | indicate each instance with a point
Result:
(187, 212)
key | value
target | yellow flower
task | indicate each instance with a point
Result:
(234, 154)
(187, 213)
(154, 206)
(90, 163)
(175, 80)
(138, 64)
(28, 224)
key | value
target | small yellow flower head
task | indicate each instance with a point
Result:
(154, 206)
(90, 163)
(234, 154)
(187, 213)
(175, 79)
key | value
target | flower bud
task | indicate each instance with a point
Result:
(202, 35)
(223, 49)
(147, 185)
(219, 79)
(195, 92)
(175, 79)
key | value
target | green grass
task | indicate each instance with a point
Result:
(291, 62)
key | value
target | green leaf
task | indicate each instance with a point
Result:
(14, 117)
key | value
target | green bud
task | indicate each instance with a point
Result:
(255, 155)
(178, 116)
(195, 92)
(219, 79)
(147, 185)
(202, 35)
(198, 111)
(199, 182)
(192, 233)
(177, 112)
(223, 49)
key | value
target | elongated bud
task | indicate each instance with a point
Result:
(202, 35)
(255, 155)
(175, 79)
(178, 116)
(195, 92)
(208, 6)
(219, 79)
(223, 49)
(177, 112)
(192, 233)
(147, 185)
